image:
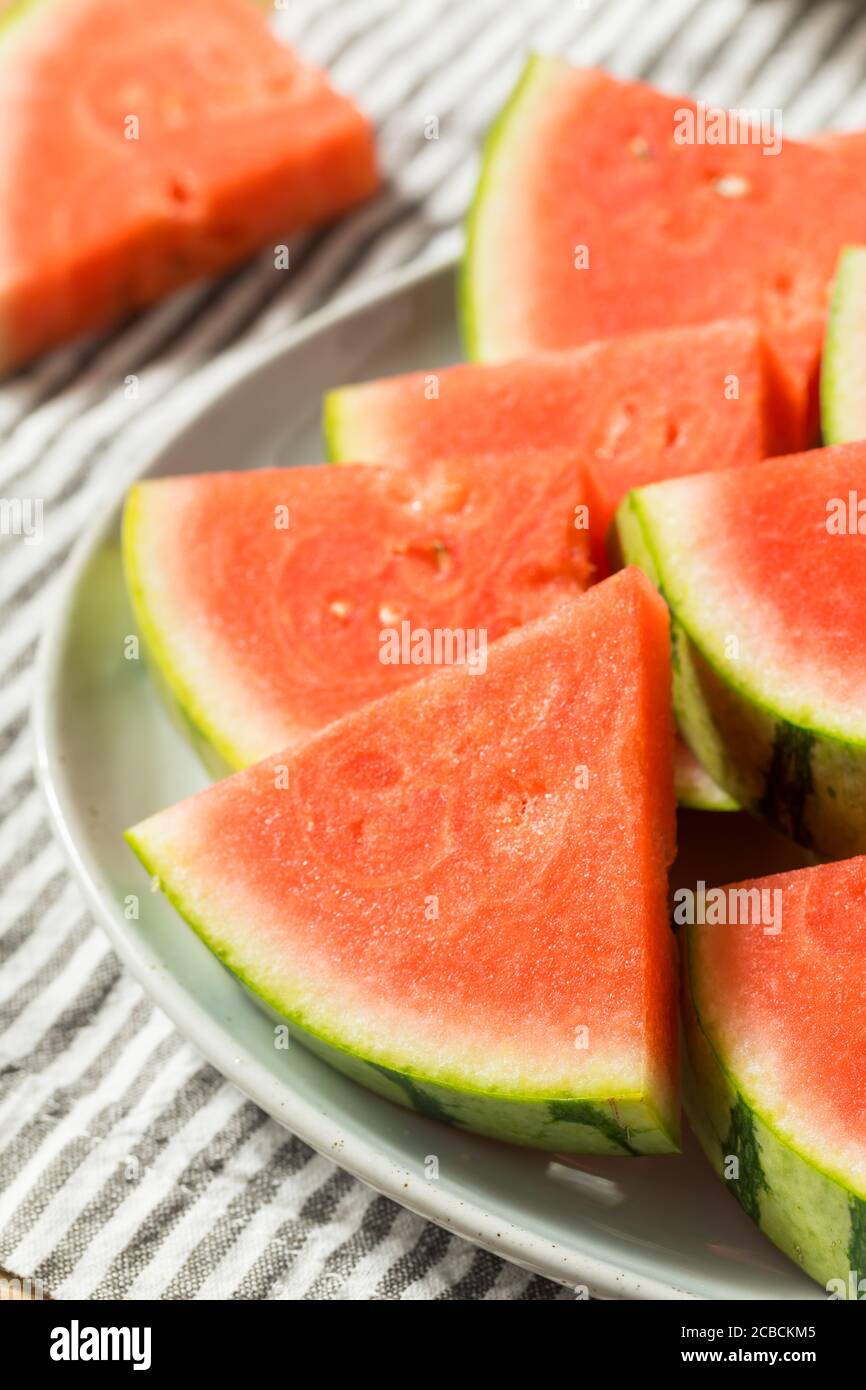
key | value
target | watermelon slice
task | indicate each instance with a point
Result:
(264, 598)
(190, 138)
(620, 227)
(843, 370)
(764, 570)
(458, 893)
(651, 406)
(775, 1007)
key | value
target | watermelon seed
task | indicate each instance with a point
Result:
(390, 614)
(732, 186)
(442, 557)
(340, 608)
(639, 147)
(615, 429)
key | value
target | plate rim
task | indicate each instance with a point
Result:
(470, 1220)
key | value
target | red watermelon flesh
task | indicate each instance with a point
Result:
(675, 233)
(639, 409)
(461, 888)
(237, 145)
(263, 596)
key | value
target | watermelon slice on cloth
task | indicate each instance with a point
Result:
(775, 1008)
(620, 227)
(646, 407)
(458, 894)
(264, 598)
(764, 571)
(145, 145)
(843, 369)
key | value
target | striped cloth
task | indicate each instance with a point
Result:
(128, 1168)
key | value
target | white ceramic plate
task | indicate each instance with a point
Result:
(108, 756)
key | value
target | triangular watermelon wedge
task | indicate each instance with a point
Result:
(764, 571)
(626, 223)
(642, 408)
(775, 1007)
(458, 893)
(144, 145)
(275, 601)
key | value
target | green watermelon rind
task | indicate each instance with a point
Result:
(811, 1213)
(593, 1124)
(12, 18)
(843, 365)
(696, 790)
(332, 434)
(537, 72)
(218, 756)
(704, 796)
(807, 781)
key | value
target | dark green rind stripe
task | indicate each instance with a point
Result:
(857, 1243)
(558, 1124)
(742, 1143)
(417, 1098)
(584, 1112)
(546, 1124)
(789, 782)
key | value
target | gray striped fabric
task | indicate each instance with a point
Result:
(128, 1168)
